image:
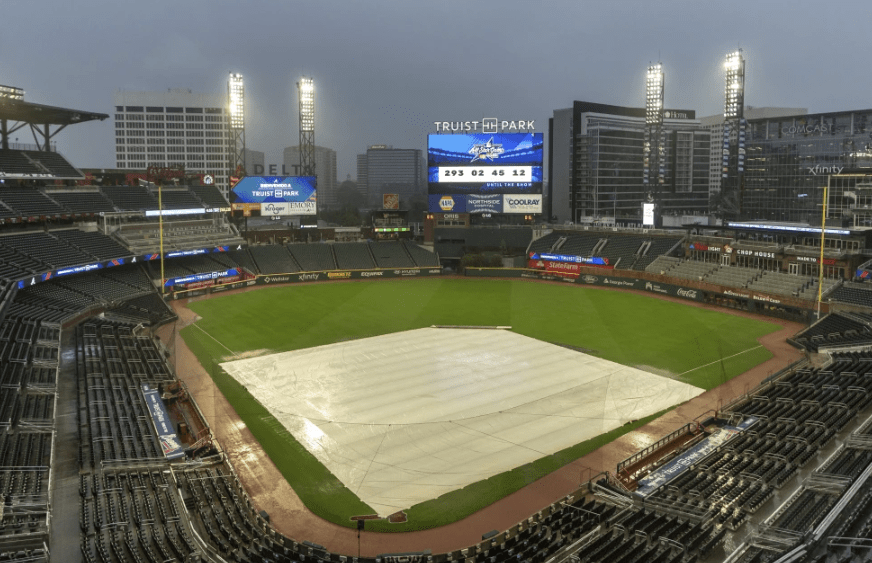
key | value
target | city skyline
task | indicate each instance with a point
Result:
(385, 71)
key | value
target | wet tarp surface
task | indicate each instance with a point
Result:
(407, 417)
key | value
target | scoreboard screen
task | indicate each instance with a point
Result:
(275, 195)
(485, 173)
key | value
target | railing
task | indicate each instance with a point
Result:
(641, 454)
(53, 147)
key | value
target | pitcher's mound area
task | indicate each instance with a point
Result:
(407, 417)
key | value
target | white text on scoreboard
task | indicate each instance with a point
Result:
(467, 174)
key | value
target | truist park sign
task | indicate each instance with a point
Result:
(486, 125)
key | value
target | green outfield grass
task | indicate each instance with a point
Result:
(701, 347)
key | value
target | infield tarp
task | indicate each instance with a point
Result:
(407, 417)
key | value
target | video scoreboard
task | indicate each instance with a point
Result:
(485, 173)
(278, 196)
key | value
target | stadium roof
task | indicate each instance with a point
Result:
(39, 114)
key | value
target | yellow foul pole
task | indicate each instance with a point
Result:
(160, 228)
(821, 261)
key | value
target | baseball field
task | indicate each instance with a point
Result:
(693, 345)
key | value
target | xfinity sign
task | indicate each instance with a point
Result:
(486, 125)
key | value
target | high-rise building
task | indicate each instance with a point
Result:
(715, 125)
(596, 164)
(176, 127)
(325, 170)
(254, 161)
(386, 170)
(792, 160)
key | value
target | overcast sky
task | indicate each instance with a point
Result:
(385, 70)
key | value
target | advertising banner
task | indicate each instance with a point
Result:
(169, 441)
(590, 261)
(476, 203)
(522, 203)
(447, 203)
(297, 193)
(346, 275)
(201, 277)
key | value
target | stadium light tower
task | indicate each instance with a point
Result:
(236, 119)
(654, 144)
(306, 90)
(733, 163)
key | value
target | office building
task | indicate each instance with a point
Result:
(791, 159)
(715, 125)
(595, 163)
(386, 170)
(173, 128)
(254, 160)
(325, 170)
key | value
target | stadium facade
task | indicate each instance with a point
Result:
(595, 159)
(173, 128)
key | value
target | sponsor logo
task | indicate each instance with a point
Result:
(655, 288)
(486, 151)
(689, 293)
(619, 283)
(488, 125)
(276, 279)
(434, 271)
(446, 203)
(589, 279)
(274, 209)
(371, 274)
(406, 272)
(767, 299)
(251, 282)
(811, 129)
(338, 275)
(732, 293)
(818, 169)
(309, 277)
(757, 253)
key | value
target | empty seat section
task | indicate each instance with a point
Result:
(353, 256)
(273, 259)
(313, 257)
(391, 254)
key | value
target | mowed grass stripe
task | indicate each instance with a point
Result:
(627, 328)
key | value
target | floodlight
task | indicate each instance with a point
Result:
(11, 92)
(306, 87)
(734, 95)
(236, 91)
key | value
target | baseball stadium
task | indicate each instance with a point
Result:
(177, 390)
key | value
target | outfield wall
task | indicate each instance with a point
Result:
(308, 277)
(730, 297)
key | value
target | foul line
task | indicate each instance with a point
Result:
(720, 360)
(216, 340)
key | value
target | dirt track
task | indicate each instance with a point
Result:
(269, 491)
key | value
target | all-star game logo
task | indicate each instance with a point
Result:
(486, 151)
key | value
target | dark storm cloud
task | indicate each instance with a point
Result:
(385, 70)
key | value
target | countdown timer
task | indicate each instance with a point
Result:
(466, 174)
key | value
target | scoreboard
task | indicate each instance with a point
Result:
(275, 195)
(485, 173)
